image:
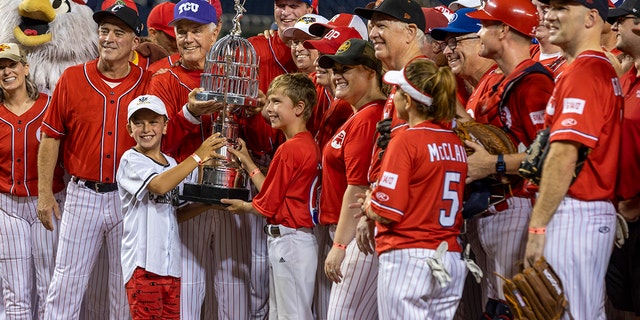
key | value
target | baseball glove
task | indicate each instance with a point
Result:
(536, 293)
(492, 138)
(531, 167)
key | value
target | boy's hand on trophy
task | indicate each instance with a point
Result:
(198, 108)
(207, 149)
(242, 153)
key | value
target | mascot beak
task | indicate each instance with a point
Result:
(36, 16)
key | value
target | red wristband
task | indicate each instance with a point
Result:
(537, 230)
(339, 246)
(254, 172)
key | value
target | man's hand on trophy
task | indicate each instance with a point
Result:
(207, 149)
(262, 102)
(198, 108)
(237, 206)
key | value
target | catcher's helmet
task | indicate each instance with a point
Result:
(520, 15)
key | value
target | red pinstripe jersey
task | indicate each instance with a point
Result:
(173, 87)
(91, 118)
(288, 190)
(628, 185)
(420, 189)
(20, 136)
(346, 158)
(585, 107)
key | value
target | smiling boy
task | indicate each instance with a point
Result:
(286, 198)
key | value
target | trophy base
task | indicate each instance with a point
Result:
(212, 195)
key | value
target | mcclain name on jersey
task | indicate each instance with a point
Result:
(170, 197)
(445, 151)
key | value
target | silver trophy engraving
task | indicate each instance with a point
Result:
(230, 76)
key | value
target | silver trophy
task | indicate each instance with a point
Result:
(230, 76)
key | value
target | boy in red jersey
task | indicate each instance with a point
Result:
(285, 198)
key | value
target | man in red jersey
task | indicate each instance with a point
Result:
(574, 215)
(92, 125)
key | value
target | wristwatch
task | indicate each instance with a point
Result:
(501, 166)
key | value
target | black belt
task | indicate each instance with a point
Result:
(272, 230)
(98, 187)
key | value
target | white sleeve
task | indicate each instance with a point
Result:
(135, 172)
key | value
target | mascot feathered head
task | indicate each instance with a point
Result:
(55, 33)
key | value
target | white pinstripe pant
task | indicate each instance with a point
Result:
(408, 290)
(579, 242)
(25, 243)
(88, 220)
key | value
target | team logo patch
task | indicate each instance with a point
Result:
(4, 47)
(388, 180)
(505, 116)
(537, 117)
(344, 47)
(604, 229)
(551, 106)
(307, 20)
(569, 122)
(573, 105)
(38, 134)
(381, 196)
(338, 139)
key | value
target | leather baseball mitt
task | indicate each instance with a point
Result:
(492, 138)
(536, 293)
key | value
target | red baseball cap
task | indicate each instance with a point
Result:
(160, 16)
(341, 20)
(216, 4)
(434, 19)
(331, 41)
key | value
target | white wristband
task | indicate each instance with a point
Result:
(196, 158)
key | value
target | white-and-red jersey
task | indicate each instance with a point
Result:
(420, 189)
(585, 107)
(289, 189)
(91, 118)
(20, 136)
(346, 159)
(628, 185)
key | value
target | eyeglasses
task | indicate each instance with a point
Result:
(620, 20)
(452, 42)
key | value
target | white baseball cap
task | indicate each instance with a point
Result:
(400, 79)
(465, 4)
(301, 28)
(146, 101)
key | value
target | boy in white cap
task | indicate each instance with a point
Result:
(148, 185)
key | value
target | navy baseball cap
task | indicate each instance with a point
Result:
(601, 5)
(460, 24)
(199, 11)
(627, 7)
(407, 11)
(119, 10)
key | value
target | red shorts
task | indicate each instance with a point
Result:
(152, 296)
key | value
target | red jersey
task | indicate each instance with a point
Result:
(339, 112)
(322, 105)
(20, 136)
(488, 80)
(590, 114)
(628, 186)
(164, 63)
(91, 117)
(290, 185)
(346, 159)
(183, 137)
(420, 189)
(554, 62)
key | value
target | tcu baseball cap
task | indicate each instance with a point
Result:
(300, 29)
(199, 11)
(520, 15)
(601, 5)
(160, 16)
(123, 12)
(627, 7)
(147, 101)
(407, 11)
(460, 24)
(12, 52)
(341, 20)
(399, 78)
(331, 41)
(351, 53)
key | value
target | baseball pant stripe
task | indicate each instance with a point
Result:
(259, 268)
(408, 290)
(323, 284)
(355, 296)
(579, 242)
